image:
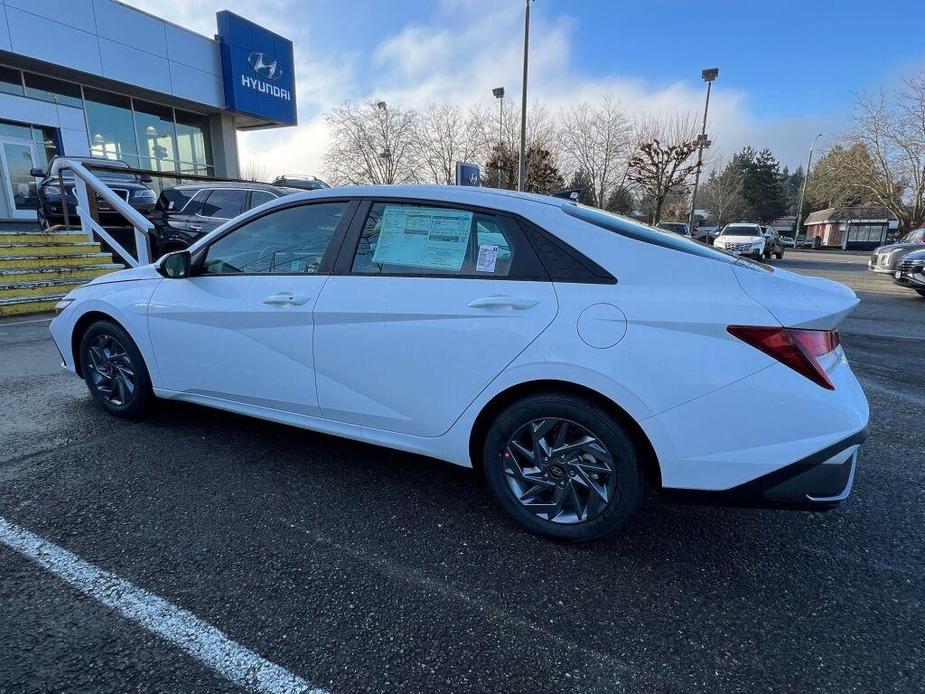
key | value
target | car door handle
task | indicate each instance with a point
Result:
(518, 303)
(195, 227)
(286, 299)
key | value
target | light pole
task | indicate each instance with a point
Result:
(522, 171)
(386, 153)
(499, 95)
(708, 76)
(809, 163)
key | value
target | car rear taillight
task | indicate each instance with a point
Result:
(797, 348)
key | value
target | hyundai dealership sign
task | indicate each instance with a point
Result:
(257, 69)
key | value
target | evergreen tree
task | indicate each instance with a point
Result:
(762, 188)
(581, 182)
(542, 173)
(621, 200)
(504, 155)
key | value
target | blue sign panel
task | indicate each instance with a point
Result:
(258, 70)
(468, 174)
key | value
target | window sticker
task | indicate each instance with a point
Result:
(488, 257)
(427, 237)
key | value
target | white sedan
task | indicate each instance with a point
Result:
(575, 358)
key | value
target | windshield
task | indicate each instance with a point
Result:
(913, 236)
(676, 227)
(643, 232)
(741, 230)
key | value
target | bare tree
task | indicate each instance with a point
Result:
(834, 182)
(254, 170)
(597, 140)
(445, 135)
(891, 130)
(722, 193)
(662, 163)
(371, 142)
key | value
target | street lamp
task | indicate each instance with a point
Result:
(809, 163)
(708, 75)
(499, 95)
(522, 171)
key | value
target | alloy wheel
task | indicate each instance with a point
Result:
(112, 372)
(559, 470)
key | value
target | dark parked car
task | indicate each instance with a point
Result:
(910, 272)
(679, 228)
(300, 182)
(186, 212)
(128, 186)
(886, 258)
(774, 244)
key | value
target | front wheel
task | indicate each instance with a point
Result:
(563, 467)
(779, 255)
(114, 370)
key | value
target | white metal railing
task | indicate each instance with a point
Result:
(84, 181)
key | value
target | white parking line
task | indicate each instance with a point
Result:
(182, 628)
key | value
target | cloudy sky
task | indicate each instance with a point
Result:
(788, 69)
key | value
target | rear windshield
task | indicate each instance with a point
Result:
(643, 232)
(741, 230)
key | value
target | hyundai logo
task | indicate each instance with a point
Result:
(265, 65)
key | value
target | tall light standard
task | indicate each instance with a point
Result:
(522, 171)
(809, 163)
(499, 95)
(708, 75)
(386, 153)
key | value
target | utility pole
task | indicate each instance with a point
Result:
(809, 163)
(708, 75)
(499, 94)
(522, 173)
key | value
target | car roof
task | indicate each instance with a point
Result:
(466, 195)
(246, 185)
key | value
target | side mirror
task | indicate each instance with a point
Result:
(176, 265)
(37, 173)
(145, 178)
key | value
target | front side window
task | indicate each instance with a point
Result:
(174, 199)
(291, 241)
(407, 239)
(223, 204)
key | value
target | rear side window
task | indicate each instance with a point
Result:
(638, 231)
(411, 239)
(223, 203)
(258, 197)
(174, 199)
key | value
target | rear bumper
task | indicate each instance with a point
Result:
(818, 482)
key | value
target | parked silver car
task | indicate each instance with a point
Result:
(910, 271)
(886, 258)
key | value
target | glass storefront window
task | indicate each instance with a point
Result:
(157, 142)
(194, 141)
(17, 130)
(11, 81)
(47, 145)
(55, 91)
(111, 127)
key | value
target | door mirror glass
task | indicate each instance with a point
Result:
(175, 265)
(37, 173)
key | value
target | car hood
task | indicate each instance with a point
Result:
(897, 247)
(915, 255)
(143, 272)
(798, 301)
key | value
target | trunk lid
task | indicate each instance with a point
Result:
(797, 301)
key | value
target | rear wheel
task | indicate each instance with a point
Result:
(114, 370)
(563, 467)
(780, 254)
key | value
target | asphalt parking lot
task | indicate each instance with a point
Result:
(355, 568)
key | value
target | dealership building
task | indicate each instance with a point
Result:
(99, 78)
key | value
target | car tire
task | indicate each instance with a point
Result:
(779, 255)
(114, 370)
(591, 491)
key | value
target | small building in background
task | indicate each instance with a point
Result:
(784, 225)
(861, 228)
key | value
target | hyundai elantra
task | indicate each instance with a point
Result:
(575, 358)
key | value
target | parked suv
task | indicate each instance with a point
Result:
(679, 228)
(128, 186)
(886, 258)
(910, 271)
(187, 212)
(300, 182)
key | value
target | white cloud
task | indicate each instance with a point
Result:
(458, 56)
